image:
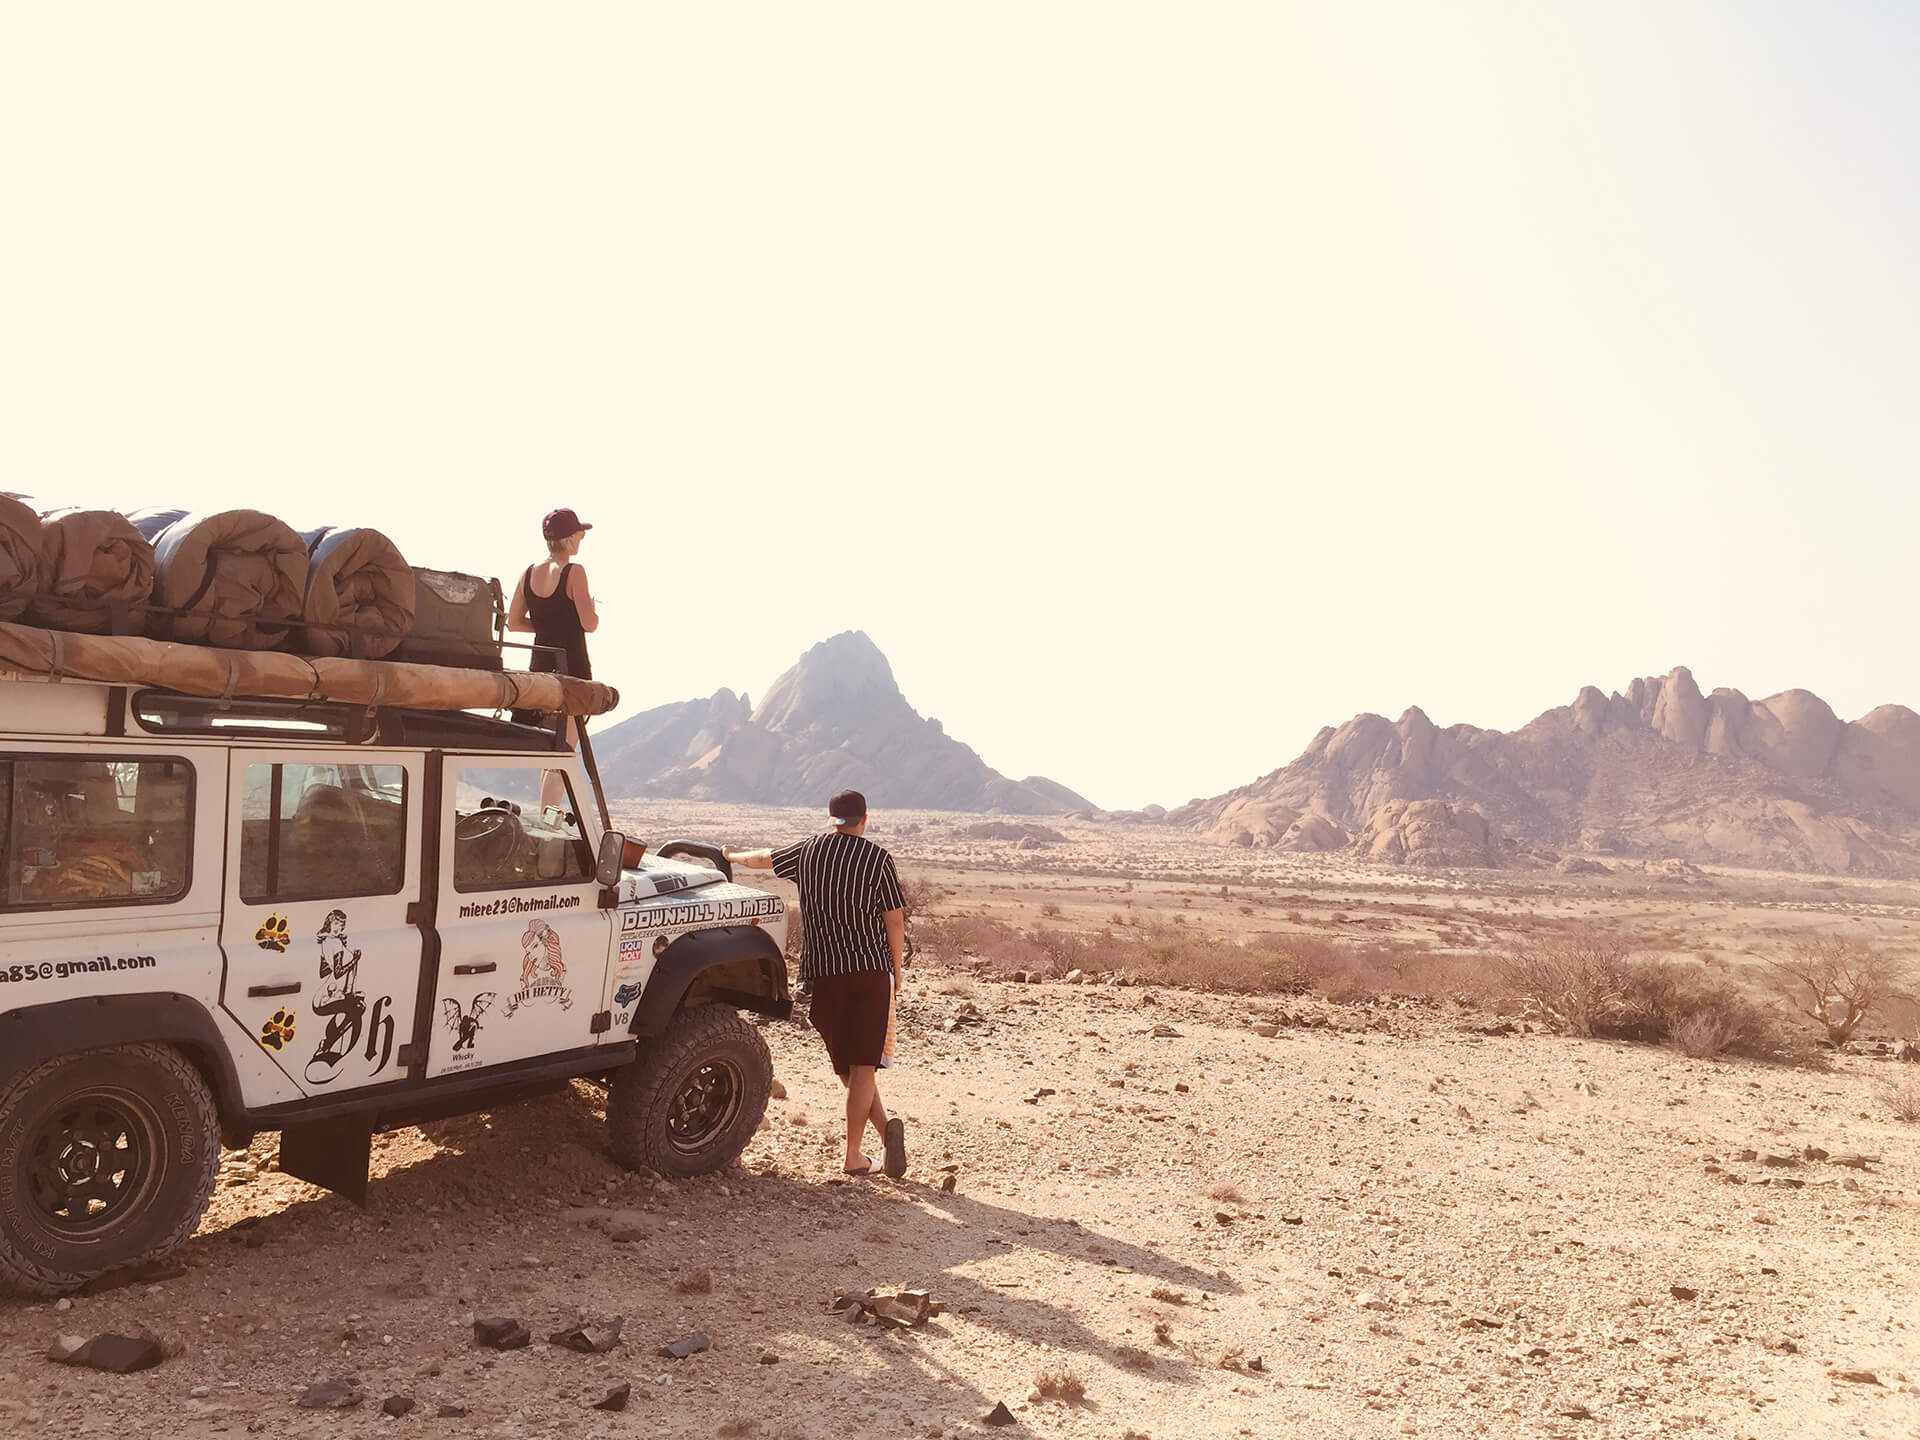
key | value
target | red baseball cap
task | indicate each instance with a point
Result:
(561, 523)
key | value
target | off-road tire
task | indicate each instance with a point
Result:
(52, 1118)
(666, 1112)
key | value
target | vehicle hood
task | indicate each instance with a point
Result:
(664, 877)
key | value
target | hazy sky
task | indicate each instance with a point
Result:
(1154, 384)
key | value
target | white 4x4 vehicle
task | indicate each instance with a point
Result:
(219, 917)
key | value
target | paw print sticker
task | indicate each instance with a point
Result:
(273, 934)
(277, 1031)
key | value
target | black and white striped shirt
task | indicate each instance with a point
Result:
(847, 885)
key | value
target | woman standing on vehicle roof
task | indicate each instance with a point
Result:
(551, 602)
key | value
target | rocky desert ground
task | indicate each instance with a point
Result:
(1171, 1213)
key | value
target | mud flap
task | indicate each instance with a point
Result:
(330, 1153)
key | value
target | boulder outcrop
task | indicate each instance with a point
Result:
(1658, 771)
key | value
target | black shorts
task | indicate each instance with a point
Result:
(850, 1012)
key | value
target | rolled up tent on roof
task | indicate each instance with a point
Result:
(360, 593)
(93, 563)
(237, 578)
(20, 541)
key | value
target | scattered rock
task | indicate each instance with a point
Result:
(1854, 1377)
(1576, 1412)
(1076, 977)
(1780, 1162)
(1478, 1321)
(1854, 1161)
(1265, 1030)
(450, 1412)
(681, 1349)
(115, 1354)
(891, 1309)
(398, 1405)
(589, 1339)
(331, 1395)
(616, 1398)
(946, 1185)
(501, 1333)
(1813, 1152)
(1291, 1218)
(1181, 1087)
(777, 1092)
(1000, 1415)
(1683, 1292)
(1165, 1032)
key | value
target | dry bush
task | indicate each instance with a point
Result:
(1051, 910)
(1133, 1357)
(1837, 982)
(1227, 1193)
(1901, 1098)
(1586, 982)
(1577, 978)
(1060, 1385)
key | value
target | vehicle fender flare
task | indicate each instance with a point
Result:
(737, 965)
(35, 1033)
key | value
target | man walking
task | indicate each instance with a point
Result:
(853, 941)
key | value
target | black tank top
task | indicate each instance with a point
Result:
(557, 623)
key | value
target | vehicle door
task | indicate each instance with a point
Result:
(523, 942)
(323, 962)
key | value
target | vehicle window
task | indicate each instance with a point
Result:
(322, 832)
(79, 832)
(516, 827)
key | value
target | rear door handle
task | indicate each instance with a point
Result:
(285, 987)
(486, 967)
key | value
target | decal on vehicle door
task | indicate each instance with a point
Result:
(278, 1031)
(465, 1024)
(340, 1003)
(273, 935)
(543, 972)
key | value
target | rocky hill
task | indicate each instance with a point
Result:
(1660, 772)
(835, 720)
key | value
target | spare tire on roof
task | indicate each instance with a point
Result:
(20, 541)
(360, 595)
(235, 578)
(94, 566)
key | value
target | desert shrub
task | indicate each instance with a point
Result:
(1900, 1098)
(1050, 910)
(1837, 982)
(1586, 982)
(1577, 979)
(1060, 1385)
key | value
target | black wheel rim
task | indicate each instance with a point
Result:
(706, 1106)
(94, 1163)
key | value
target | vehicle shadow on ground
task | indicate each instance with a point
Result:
(776, 1243)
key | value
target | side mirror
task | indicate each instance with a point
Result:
(612, 857)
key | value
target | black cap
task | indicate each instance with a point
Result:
(561, 523)
(849, 807)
